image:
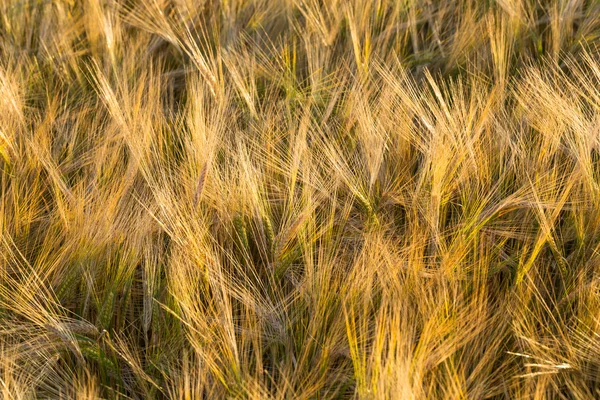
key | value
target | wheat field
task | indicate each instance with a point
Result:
(299, 199)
